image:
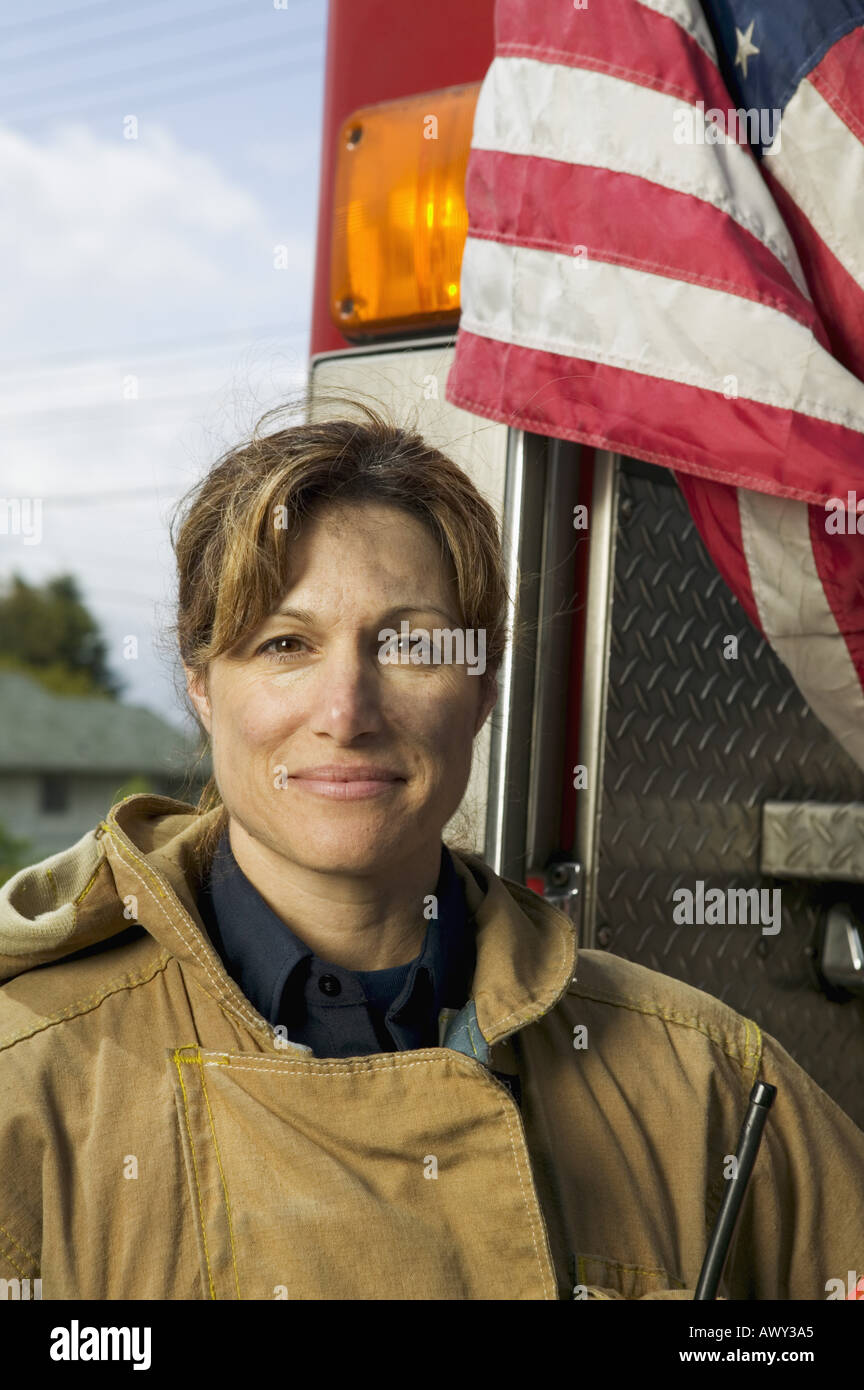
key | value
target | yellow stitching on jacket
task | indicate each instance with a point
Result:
(86, 889)
(229, 1013)
(546, 1001)
(195, 1174)
(193, 1061)
(511, 1116)
(9, 1260)
(248, 1064)
(26, 1253)
(224, 1186)
(671, 1016)
(146, 867)
(609, 1264)
(252, 1064)
(226, 994)
(83, 1006)
(757, 1048)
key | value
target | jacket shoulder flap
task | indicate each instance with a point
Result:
(649, 999)
(67, 944)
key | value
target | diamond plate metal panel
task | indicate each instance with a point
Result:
(809, 840)
(695, 744)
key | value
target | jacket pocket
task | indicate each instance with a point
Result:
(308, 1178)
(604, 1278)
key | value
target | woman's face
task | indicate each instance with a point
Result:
(306, 696)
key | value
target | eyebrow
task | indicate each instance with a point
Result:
(303, 615)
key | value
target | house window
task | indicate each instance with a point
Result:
(55, 794)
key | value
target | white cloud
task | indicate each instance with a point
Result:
(106, 243)
(133, 211)
(96, 229)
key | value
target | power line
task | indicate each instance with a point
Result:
(73, 16)
(97, 408)
(175, 422)
(125, 74)
(103, 495)
(161, 347)
(166, 406)
(259, 75)
(174, 417)
(191, 90)
(202, 19)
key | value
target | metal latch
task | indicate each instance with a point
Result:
(561, 884)
(842, 955)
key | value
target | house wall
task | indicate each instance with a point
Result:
(90, 797)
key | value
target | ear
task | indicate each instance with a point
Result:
(198, 695)
(488, 700)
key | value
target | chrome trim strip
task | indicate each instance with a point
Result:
(592, 731)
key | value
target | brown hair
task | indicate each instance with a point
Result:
(233, 556)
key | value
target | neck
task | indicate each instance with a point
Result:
(360, 922)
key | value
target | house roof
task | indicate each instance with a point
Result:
(44, 732)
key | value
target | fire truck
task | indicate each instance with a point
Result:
(616, 764)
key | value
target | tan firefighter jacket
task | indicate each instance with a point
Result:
(159, 1140)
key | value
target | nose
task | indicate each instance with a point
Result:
(347, 697)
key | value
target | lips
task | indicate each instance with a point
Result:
(335, 772)
(347, 782)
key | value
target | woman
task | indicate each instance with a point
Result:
(331, 1057)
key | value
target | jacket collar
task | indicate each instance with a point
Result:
(526, 950)
(262, 953)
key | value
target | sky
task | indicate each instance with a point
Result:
(159, 172)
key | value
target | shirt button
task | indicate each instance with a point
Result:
(328, 984)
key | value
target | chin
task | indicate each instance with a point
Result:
(347, 855)
(352, 844)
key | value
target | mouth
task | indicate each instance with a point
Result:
(357, 782)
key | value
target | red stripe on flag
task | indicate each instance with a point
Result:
(678, 426)
(626, 220)
(840, 566)
(839, 78)
(714, 509)
(838, 299)
(618, 37)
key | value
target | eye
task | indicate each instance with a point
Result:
(280, 656)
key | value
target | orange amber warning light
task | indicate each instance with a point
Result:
(399, 216)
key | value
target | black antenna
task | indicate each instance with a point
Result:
(761, 1100)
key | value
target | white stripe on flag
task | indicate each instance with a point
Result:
(655, 325)
(795, 614)
(549, 111)
(820, 164)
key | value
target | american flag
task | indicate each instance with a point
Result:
(665, 258)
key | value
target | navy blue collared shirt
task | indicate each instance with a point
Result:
(338, 1012)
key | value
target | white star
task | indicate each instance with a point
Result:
(745, 48)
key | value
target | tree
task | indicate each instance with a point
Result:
(130, 787)
(15, 854)
(49, 633)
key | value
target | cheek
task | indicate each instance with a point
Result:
(440, 711)
(256, 717)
